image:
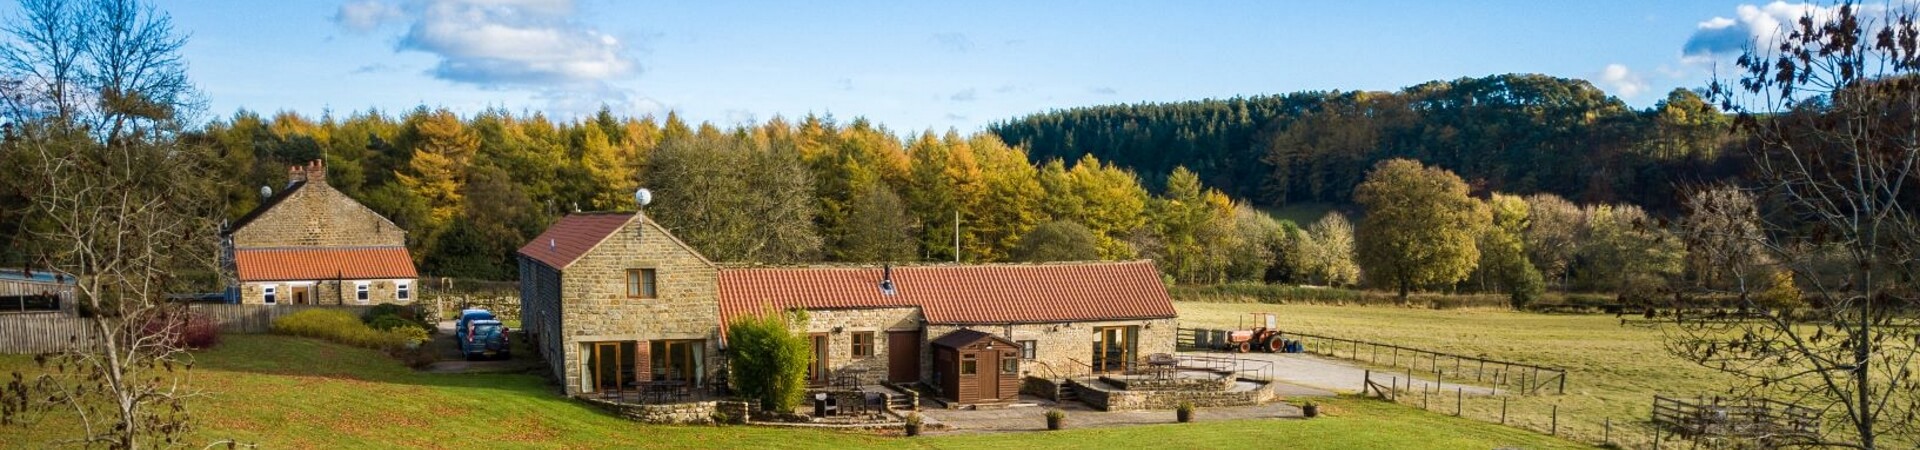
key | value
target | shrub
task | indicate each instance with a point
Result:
(388, 316)
(389, 322)
(341, 327)
(770, 360)
(183, 329)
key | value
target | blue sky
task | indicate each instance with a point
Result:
(919, 65)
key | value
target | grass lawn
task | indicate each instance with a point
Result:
(1302, 214)
(284, 392)
(1614, 370)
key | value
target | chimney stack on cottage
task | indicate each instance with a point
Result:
(314, 172)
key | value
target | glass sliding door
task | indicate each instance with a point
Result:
(1113, 348)
(678, 360)
(610, 366)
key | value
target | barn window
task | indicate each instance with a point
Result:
(640, 284)
(402, 290)
(360, 292)
(1027, 349)
(272, 295)
(863, 344)
(969, 365)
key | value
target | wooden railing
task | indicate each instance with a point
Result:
(1749, 418)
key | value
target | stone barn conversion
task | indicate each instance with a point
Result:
(309, 244)
(614, 301)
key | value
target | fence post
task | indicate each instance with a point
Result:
(1426, 398)
(1563, 382)
(1503, 410)
(1606, 436)
(1366, 383)
(1556, 421)
(1394, 390)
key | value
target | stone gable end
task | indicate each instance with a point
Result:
(317, 215)
(595, 306)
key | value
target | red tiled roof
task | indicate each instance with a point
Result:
(323, 263)
(572, 237)
(959, 295)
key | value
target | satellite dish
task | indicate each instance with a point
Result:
(643, 197)
(266, 191)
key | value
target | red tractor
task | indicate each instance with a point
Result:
(1265, 338)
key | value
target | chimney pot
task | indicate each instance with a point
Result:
(317, 171)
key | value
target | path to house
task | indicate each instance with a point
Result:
(1330, 374)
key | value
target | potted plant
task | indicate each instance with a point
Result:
(914, 422)
(1310, 409)
(1056, 419)
(1184, 411)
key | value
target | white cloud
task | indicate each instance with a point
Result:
(536, 45)
(1759, 26)
(508, 42)
(366, 15)
(1621, 81)
(952, 42)
(965, 95)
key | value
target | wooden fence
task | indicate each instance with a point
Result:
(1747, 418)
(236, 318)
(1507, 375)
(41, 332)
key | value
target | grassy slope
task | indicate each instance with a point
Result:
(298, 393)
(1615, 370)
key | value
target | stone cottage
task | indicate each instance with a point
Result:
(310, 244)
(613, 300)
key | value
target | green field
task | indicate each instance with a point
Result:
(283, 392)
(1614, 369)
(1302, 214)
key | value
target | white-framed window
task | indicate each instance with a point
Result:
(402, 290)
(360, 292)
(272, 294)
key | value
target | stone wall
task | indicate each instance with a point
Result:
(317, 215)
(595, 307)
(330, 292)
(1102, 396)
(1045, 388)
(840, 325)
(691, 413)
(1065, 349)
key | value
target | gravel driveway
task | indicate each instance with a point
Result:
(1327, 373)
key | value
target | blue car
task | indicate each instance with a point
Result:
(466, 317)
(485, 338)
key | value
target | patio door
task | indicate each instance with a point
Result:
(817, 367)
(610, 366)
(1113, 348)
(677, 361)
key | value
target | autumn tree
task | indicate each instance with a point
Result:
(1552, 235)
(1107, 199)
(1421, 227)
(1058, 240)
(1256, 244)
(735, 198)
(1194, 226)
(1725, 246)
(1833, 99)
(1628, 252)
(1326, 252)
(438, 168)
(1503, 253)
(886, 230)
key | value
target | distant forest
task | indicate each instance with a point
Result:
(1507, 133)
(1173, 182)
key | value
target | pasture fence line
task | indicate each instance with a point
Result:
(1540, 414)
(1510, 376)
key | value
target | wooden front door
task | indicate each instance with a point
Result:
(903, 356)
(300, 294)
(989, 380)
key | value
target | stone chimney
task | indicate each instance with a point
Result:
(295, 175)
(317, 172)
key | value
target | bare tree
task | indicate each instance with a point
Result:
(95, 93)
(1834, 99)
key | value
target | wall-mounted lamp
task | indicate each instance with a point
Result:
(837, 330)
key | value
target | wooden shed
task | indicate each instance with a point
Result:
(974, 367)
